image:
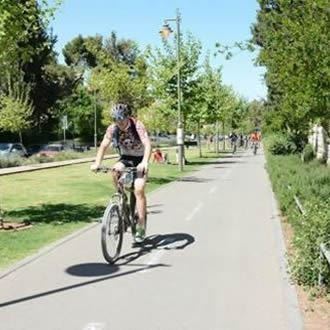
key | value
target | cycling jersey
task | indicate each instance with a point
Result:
(255, 137)
(129, 144)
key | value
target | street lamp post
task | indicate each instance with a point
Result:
(165, 32)
(95, 123)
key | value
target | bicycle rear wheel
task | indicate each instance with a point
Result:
(255, 147)
(111, 233)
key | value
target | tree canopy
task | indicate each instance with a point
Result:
(293, 37)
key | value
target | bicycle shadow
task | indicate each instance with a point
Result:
(176, 241)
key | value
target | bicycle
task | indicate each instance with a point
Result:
(119, 215)
(255, 146)
(234, 146)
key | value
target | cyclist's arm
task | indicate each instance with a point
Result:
(100, 153)
(147, 150)
(144, 137)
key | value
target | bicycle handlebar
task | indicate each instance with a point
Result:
(106, 169)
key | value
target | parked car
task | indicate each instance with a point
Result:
(50, 150)
(80, 147)
(34, 148)
(12, 149)
(162, 138)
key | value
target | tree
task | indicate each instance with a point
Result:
(121, 51)
(162, 72)
(29, 55)
(82, 52)
(79, 108)
(17, 24)
(16, 109)
(120, 85)
(215, 102)
(293, 37)
(158, 118)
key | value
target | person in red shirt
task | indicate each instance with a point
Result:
(255, 136)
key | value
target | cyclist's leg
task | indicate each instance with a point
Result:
(118, 167)
(141, 206)
(141, 200)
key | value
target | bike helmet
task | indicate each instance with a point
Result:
(119, 111)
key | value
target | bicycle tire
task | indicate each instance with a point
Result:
(255, 149)
(111, 245)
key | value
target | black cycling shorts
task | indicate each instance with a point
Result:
(130, 161)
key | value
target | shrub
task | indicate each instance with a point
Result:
(11, 161)
(308, 153)
(280, 144)
(66, 155)
(37, 159)
(312, 230)
(311, 183)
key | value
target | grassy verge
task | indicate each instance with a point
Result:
(59, 201)
(311, 184)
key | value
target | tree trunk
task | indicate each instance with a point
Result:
(217, 138)
(20, 137)
(223, 135)
(199, 139)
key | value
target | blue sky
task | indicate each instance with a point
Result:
(211, 21)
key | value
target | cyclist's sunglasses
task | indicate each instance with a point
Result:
(119, 120)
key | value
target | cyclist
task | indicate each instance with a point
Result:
(130, 137)
(255, 136)
(233, 140)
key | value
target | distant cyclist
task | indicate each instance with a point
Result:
(233, 140)
(130, 137)
(255, 136)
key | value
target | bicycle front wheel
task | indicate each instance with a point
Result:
(111, 233)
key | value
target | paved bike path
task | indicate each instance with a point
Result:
(215, 260)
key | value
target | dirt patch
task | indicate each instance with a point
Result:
(314, 309)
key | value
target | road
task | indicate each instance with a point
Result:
(214, 260)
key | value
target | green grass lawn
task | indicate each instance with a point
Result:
(59, 201)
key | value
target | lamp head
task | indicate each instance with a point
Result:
(165, 31)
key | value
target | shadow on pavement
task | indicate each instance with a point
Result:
(151, 210)
(193, 179)
(175, 241)
(231, 155)
(78, 285)
(161, 180)
(201, 162)
(228, 162)
(154, 205)
(92, 269)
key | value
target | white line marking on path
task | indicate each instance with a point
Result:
(194, 211)
(95, 326)
(153, 260)
(213, 190)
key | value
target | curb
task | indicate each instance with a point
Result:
(294, 317)
(37, 167)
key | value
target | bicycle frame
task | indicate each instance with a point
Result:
(126, 204)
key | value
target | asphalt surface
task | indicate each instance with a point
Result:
(214, 260)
